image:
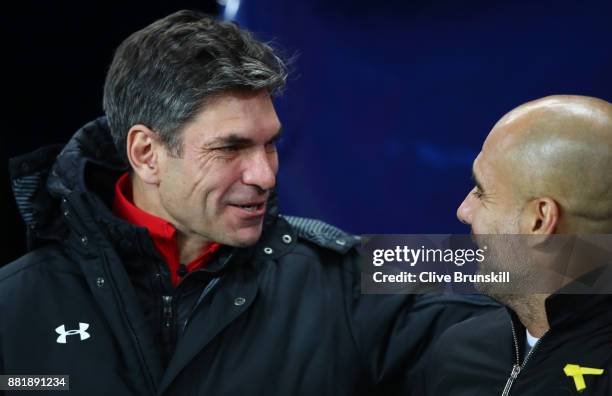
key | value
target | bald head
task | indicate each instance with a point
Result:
(559, 147)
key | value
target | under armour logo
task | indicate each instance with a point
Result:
(61, 330)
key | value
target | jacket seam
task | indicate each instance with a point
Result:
(19, 270)
(117, 294)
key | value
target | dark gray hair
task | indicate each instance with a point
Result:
(163, 75)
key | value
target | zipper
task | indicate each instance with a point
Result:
(517, 367)
(167, 316)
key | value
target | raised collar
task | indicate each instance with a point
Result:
(162, 232)
(586, 297)
(572, 305)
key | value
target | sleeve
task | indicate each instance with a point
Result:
(395, 332)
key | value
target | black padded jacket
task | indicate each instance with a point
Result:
(92, 299)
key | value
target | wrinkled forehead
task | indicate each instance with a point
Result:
(496, 161)
(244, 115)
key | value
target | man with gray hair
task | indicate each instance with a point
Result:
(159, 263)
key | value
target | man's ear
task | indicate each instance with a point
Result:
(540, 217)
(143, 147)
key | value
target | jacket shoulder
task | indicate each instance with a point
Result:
(479, 334)
(489, 322)
(322, 234)
(52, 257)
(470, 357)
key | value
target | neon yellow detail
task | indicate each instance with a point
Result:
(578, 373)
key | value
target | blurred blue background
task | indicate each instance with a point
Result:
(388, 104)
(391, 101)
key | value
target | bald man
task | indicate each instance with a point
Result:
(544, 171)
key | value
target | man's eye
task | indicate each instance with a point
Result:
(477, 193)
(229, 149)
(271, 146)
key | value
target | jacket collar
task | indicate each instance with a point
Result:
(570, 305)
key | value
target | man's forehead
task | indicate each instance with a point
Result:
(235, 117)
(476, 171)
(485, 168)
(239, 103)
(234, 135)
(494, 170)
(243, 136)
(502, 146)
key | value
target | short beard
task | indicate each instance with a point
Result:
(530, 308)
(512, 301)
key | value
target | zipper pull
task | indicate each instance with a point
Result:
(167, 311)
(167, 324)
(516, 369)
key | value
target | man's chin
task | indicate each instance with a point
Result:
(244, 237)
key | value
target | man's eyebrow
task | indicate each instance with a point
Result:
(476, 181)
(231, 139)
(236, 139)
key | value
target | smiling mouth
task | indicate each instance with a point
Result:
(251, 208)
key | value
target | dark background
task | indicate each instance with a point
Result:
(388, 105)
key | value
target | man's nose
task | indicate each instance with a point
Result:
(261, 170)
(464, 211)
